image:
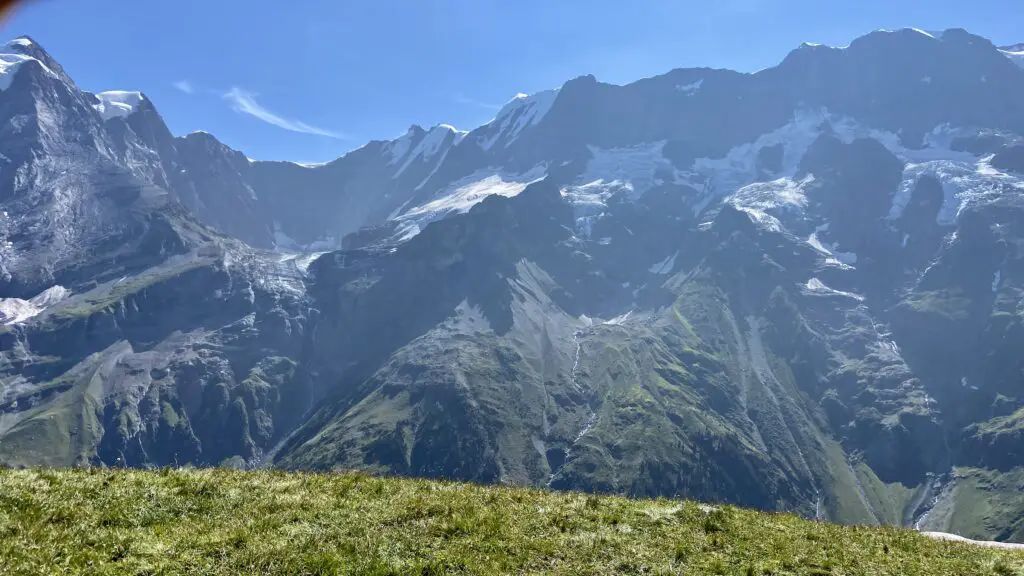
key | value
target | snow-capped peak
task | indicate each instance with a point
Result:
(117, 103)
(522, 111)
(818, 46)
(399, 147)
(22, 41)
(449, 128)
(438, 137)
(13, 56)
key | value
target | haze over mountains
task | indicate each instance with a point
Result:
(800, 289)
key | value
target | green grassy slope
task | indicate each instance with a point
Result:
(229, 522)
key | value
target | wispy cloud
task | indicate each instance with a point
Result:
(461, 98)
(185, 86)
(245, 102)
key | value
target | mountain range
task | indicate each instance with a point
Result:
(800, 289)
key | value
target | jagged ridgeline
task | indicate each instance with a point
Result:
(800, 289)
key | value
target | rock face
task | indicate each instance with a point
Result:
(131, 333)
(801, 289)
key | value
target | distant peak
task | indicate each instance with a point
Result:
(118, 103)
(21, 41)
(21, 50)
(818, 46)
(912, 33)
(448, 128)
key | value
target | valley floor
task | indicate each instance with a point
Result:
(229, 522)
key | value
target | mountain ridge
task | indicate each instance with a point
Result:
(704, 284)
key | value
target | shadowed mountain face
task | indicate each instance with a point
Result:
(801, 289)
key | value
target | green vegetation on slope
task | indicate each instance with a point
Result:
(982, 504)
(223, 521)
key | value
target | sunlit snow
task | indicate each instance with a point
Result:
(431, 143)
(462, 195)
(518, 114)
(816, 286)
(117, 103)
(1015, 57)
(16, 310)
(691, 88)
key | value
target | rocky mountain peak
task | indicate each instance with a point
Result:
(806, 284)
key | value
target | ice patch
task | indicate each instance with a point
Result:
(518, 114)
(629, 171)
(980, 543)
(778, 195)
(665, 266)
(302, 262)
(764, 201)
(16, 310)
(816, 286)
(117, 103)
(9, 66)
(817, 245)
(906, 238)
(605, 241)
(632, 170)
(286, 244)
(691, 88)
(462, 195)
(283, 241)
(762, 219)
(618, 320)
(843, 260)
(963, 183)
(738, 167)
(995, 280)
(592, 196)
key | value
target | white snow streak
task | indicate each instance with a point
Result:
(518, 114)
(16, 310)
(816, 286)
(462, 195)
(1015, 57)
(691, 88)
(665, 266)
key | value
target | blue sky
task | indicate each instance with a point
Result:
(311, 79)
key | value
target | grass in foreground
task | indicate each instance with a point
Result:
(229, 522)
